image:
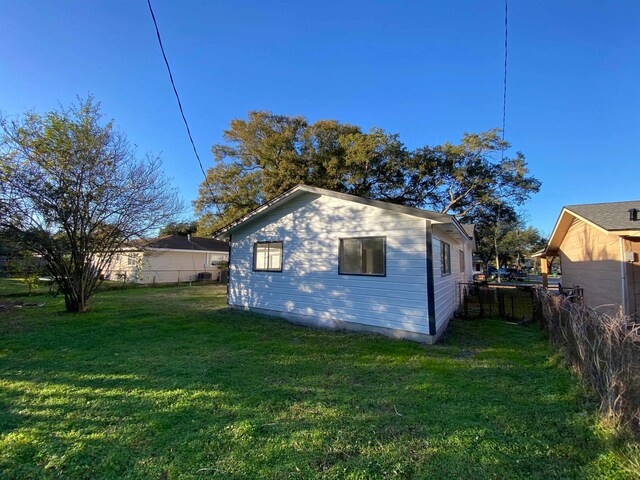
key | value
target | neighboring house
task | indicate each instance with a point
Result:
(334, 260)
(478, 265)
(599, 249)
(169, 259)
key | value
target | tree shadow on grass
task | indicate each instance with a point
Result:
(224, 394)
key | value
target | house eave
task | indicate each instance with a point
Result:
(183, 250)
(565, 219)
(435, 217)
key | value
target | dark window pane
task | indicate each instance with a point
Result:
(351, 261)
(373, 256)
(445, 258)
(364, 256)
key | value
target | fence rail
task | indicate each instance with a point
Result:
(152, 277)
(509, 302)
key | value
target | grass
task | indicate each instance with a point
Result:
(167, 383)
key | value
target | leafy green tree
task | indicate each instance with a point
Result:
(72, 191)
(472, 180)
(268, 154)
(179, 228)
(506, 240)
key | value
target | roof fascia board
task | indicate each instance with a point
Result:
(461, 229)
(183, 250)
(435, 217)
(561, 228)
(225, 231)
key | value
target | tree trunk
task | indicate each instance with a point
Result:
(74, 303)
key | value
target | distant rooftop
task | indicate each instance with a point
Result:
(610, 216)
(179, 242)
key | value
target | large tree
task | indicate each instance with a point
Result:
(507, 240)
(473, 180)
(182, 229)
(73, 191)
(267, 154)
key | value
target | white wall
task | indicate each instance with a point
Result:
(310, 227)
(447, 293)
(161, 266)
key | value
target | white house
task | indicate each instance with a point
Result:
(328, 259)
(169, 259)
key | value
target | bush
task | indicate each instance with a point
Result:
(604, 349)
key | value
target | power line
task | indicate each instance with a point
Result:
(175, 91)
(504, 91)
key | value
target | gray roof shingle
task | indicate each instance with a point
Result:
(610, 216)
(179, 242)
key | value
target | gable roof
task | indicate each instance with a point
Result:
(435, 217)
(609, 218)
(179, 242)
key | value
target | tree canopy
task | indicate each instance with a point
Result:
(179, 228)
(267, 154)
(507, 240)
(72, 190)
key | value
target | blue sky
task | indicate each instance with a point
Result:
(426, 70)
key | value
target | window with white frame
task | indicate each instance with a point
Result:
(445, 258)
(462, 266)
(267, 256)
(217, 259)
(362, 256)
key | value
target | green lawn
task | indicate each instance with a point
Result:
(167, 383)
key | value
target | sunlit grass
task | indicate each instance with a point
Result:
(168, 383)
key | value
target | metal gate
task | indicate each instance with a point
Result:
(514, 303)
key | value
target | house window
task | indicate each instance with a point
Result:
(131, 261)
(445, 258)
(461, 261)
(267, 257)
(217, 259)
(362, 256)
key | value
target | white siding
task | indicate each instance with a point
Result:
(310, 227)
(447, 298)
(162, 266)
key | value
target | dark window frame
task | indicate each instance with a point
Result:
(445, 258)
(384, 256)
(255, 256)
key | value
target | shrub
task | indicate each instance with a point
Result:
(604, 349)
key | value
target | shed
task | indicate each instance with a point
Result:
(334, 260)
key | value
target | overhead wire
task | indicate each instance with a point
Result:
(504, 84)
(175, 91)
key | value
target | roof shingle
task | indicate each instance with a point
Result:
(610, 216)
(179, 242)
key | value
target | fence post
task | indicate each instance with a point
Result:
(465, 293)
(513, 311)
(501, 311)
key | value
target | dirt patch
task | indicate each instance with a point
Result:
(11, 318)
(4, 305)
